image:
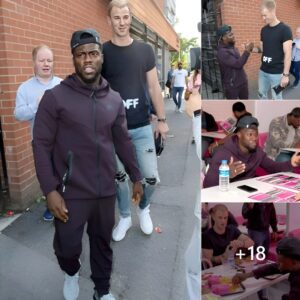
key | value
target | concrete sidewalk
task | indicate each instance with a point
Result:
(145, 267)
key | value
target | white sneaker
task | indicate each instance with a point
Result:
(71, 287)
(108, 296)
(145, 219)
(120, 230)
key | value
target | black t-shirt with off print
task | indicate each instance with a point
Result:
(125, 69)
(219, 242)
(273, 38)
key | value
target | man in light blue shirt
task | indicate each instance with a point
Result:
(31, 91)
(295, 65)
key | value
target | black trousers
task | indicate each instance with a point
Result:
(240, 92)
(100, 218)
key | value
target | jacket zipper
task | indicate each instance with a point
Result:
(68, 172)
(96, 140)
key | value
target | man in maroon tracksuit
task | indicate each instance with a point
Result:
(79, 126)
(244, 156)
(231, 63)
(288, 261)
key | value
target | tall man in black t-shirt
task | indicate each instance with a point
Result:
(276, 43)
(129, 67)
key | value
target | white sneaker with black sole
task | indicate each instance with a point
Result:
(108, 296)
(71, 287)
(120, 230)
(145, 219)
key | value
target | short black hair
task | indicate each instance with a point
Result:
(295, 112)
(238, 106)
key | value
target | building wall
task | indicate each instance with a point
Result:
(246, 21)
(149, 13)
(25, 24)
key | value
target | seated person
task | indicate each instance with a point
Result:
(245, 156)
(238, 110)
(288, 261)
(222, 238)
(284, 132)
(208, 123)
(260, 217)
(230, 221)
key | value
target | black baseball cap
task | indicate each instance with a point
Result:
(247, 122)
(289, 247)
(222, 30)
(85, 36)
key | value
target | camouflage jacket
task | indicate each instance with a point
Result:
(277, 137)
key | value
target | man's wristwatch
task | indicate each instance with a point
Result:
(162, 120)
(286, 75)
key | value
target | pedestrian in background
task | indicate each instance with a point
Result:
(295, 65)
(179, 82)
(31, 91)
(169, 80)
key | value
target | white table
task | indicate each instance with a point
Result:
(252, 285)
(213, 194)
(214, 134)
(290, 149)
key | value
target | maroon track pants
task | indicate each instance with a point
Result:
(100, 218)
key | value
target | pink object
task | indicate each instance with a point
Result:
(240, 220)
(281, 219)
(272, 254)
(158, 229)
(262, 137)
(220, 289)
(295, 233)
(214, 279)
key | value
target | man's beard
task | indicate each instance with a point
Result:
(88, 80)
(251, 150)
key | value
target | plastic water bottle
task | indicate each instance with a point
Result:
(230, 259)
(224, 176)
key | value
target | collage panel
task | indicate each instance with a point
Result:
(250, 50)
(250, 199)
(250, 250)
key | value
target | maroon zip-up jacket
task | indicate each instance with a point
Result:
(76, 133)
(232, 65)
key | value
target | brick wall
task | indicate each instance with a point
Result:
(23, 25)
(160, 4)
(149, 11)
(246, 21)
